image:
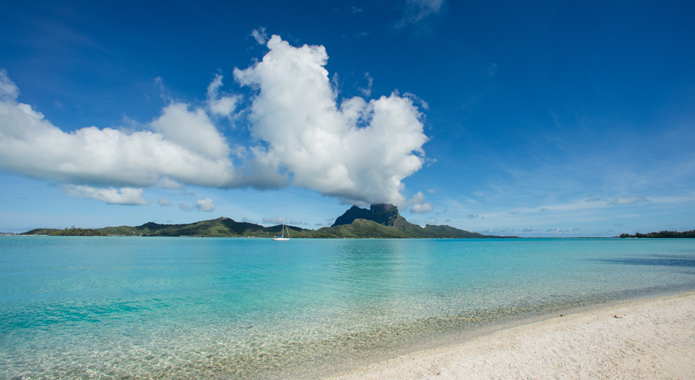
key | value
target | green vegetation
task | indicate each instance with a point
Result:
(662, 234)
(66, 232)
(380, 221)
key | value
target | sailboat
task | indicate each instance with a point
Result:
(283, 238)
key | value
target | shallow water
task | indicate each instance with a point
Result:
(119, 308)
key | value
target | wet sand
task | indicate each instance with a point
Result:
(649, 339)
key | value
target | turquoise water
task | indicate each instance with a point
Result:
(187, 308)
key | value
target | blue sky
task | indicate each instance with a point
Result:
(532, 119)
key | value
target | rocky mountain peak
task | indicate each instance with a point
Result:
(382, 213)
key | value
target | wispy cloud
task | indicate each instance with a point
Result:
(419, 205)
(628, 201)
(370, 81)
(273, 220)
(490, 69)
(122, 196)
(259, 35)
(415, 11)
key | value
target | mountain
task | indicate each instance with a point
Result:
(384, 221)
(381, 213)
(379, 221)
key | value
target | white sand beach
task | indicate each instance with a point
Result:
(650, 339)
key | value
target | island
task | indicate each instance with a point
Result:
(661, 234)
(380, 221)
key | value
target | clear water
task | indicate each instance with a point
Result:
(190, 308)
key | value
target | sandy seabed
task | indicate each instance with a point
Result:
(651, 339)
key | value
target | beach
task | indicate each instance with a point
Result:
(646, 339)
(191, 308)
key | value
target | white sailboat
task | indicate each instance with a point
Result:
(283, 238)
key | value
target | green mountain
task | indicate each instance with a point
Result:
(379, 221)
(384, 221)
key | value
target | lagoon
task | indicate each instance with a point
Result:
(116, 307)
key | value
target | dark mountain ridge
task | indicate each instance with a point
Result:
(381, 213)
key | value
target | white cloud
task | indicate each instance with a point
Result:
(259, 35)
(8, 90)
(419, 205)
(220, 105)
(357, 151)
(191, 130)
(166, 183)
(432, 221)
(186, 149)
(352, 149)
(123, 196)
(370, 81)
(205, 205)
(274, 220)
(416, 10)
(186, 207)
(165, 203)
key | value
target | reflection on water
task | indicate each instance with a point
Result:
(250, 308)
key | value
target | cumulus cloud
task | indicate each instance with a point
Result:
(306, 136)
(191, 130)
(122, 196)
(419, 205)
(165, 203)
(259, 35)
(185, 147)
(205, 205)
(358, 151)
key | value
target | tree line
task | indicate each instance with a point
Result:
(662, 234)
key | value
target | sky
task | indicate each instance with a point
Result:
(538, 118)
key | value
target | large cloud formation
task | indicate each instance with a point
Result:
(355, 150)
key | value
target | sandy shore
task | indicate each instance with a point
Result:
(653, 339)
